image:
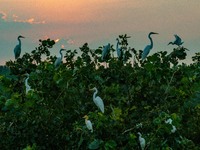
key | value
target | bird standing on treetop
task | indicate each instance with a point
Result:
(97, 100)
(148, 47)
(177, 41)
(88, 123)
(59, 59)
(142, 141)
(119, 50)
(17, 49)
(105, 51)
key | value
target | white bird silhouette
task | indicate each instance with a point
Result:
(28, 87)
(142, 141)
(169, 121)
(88, 123)
(97, 100)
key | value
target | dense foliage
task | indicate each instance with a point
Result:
(139, 96)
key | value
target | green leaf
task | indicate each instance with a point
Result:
(110, 145)
(94, 144)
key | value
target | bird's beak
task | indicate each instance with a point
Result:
(155, 33)
(22, 37)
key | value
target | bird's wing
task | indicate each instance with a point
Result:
(177, 37)
(17, 51)
(57, 62)
(146, 51)
(99, 102)
(178, 40)
(89, 125)
(119, 52)
(105, 51)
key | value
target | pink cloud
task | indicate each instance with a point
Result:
(70, 41)
(3, 15)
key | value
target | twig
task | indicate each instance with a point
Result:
(128, 130)
(169, 84)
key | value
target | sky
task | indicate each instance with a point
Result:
(98, 22)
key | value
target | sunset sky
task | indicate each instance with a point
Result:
(98, 22)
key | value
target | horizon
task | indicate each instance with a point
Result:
(97, 23)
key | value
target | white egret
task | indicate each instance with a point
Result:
(148, 47)
(59, 59)
(88, 123)
(169, 121)
(28, 87)
(97, 100)
(177, 41)
(105, 51)
(17, 49)
(119, 50)
(142, 141)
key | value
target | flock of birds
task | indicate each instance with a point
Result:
(99, 103)
(97, 100)
(106, 50)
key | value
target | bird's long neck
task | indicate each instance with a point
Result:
(95, 93)
(151, 41)
(61, 55)
(19, 41)
(117, 44)
(26, 82)
(86, 119)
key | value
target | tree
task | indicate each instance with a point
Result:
(138, 97)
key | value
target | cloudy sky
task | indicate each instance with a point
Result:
(98, 22)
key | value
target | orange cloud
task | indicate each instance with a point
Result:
(30, 20)
(57, 40)
(15, 18)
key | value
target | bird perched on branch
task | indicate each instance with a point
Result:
(17, 49)
(28, 87)
(148, 47)
(105, 51)
(88, 123)
(142, 141)
(119, 50)
(169, 121)
(177, 41)
(59, 59)
(97, 100)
